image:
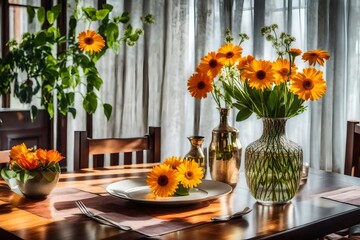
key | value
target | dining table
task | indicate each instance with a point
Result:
(314, 211)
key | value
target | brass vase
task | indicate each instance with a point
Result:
(196, 152)
(225, 151)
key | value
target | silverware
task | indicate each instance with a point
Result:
(100, 218)
(235, 215)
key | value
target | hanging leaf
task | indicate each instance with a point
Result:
(243, 114)
(31, 13)
(101, 14)
(56, 10)
(50, 16)
(41, 15)
(72, 111)
(107, 110)
(33, 113)
(90, 102)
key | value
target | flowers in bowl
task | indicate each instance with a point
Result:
(273, 89)
(174, 177)
(27, 163)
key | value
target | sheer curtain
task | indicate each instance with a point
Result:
(146, 84)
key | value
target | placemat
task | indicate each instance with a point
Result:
(153, 220)
(146, 219)
(349, 195)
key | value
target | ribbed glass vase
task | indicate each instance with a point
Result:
(225, 151)
(273, 164)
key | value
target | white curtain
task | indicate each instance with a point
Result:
(146, 84)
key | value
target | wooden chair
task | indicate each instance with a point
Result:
(85, 146)
(352, 157)
(4, 159)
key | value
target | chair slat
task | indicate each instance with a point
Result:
(352, 156)
(84, 146)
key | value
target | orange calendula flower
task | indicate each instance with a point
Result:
(48, 156)
(260, 74)
(199, 85)
(281, 69)
(243, 63)
(210, 65)
(173, 161)
(53, 156)
(163, 180)
(229, 54)
(295, 52)
(309, 84)
(18, 150)
(190, 174)
(28, 161)
(316, 55)
(90, 41)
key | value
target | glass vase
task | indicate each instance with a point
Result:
(196, 152)
(225, 151)
(273, 164)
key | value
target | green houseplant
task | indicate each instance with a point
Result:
(36, 69)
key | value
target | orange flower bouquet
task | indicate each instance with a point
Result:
(174, 177)
(269, 89)
(33, 167)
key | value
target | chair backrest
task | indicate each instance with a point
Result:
(352, 157)
(84, 146)
(4, 158)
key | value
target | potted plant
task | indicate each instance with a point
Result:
(33, 172)
(36, 69)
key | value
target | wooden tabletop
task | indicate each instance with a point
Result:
(307, 216)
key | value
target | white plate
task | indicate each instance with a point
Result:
(137, 190)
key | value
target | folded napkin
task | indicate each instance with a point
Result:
(153, 220)
(350, 195)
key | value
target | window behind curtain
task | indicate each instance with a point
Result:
(18, 25)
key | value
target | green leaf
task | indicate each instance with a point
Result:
(50, 109)
(56, 10)
(107, 110)
(243, 114)
(72, 111)
(7, 174)
(182, 191)
(26, 175)
(41, 15)
(50, 16)
(40, 38)
(125, 18)
(90, 102)
(31, 13)
(33, 113)
(101, 14)
(90, 13)
(95, 81)
(48, 175)
(111, 32)
(107, 6)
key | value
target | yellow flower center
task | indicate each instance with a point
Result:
(88, 40)
(201, 85)
(260, 74)
(163, 180)
(308, 84)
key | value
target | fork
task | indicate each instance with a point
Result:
(100, 218)
(229, 217)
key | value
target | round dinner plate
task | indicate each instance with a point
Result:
(136, 190)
